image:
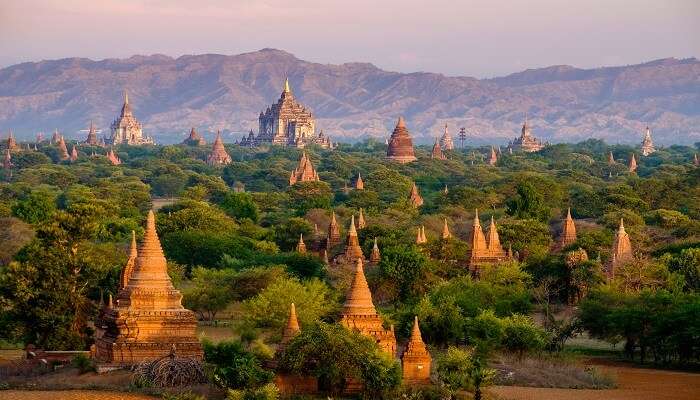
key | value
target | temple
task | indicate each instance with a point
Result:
(126, 129)
(632, 167)
(375, 256)
(360, 315)
(611, 159)
(420, 237)
(11, 143)
(304, 172)
(291, 329)
(483, 251)
(400, 144)
(148, 320)
(91, 139)
(352, 251)
(526, 142)
(359, 183)
(437, 153)
(621, 250)
(445, 231)
(493, 158)
(287, 123)
(361, 223)
(301, 246)
(74, 154)
(647, 143)
(416, 360)
(568, 231)
(218, 155)
(333, 233)
(62, 149)
(415, 198)
(113, 157)
(194, 139)
(446, 140)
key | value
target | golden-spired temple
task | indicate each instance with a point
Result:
(621, 250)
(400, 144)
(148, 319)
(304, 172)
(526, 142)
(647, 143)
(194, 139)
(416, 360)
(353, 251)
(62, 149)
(360, 315)
(445, 231)
(301, 246)
(359, 183)
(420, 237)
(632, 167)
(287, 123)
(485, 251)
(437, 153)
(361, 223)
(415, 197)
(291, 329)
(126, 129)
(113, 157)
(375, 257)
(493, 158)
(91, 136)
(568, 231)
(333, 233)
(11, 142)
(218, 155)
(446, 140)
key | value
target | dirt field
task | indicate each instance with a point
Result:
(70, 395)
(633, 384)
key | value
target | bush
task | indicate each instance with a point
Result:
(520, 335)
(267, 392)
(232, 366)
(83, 363)
(460, 369)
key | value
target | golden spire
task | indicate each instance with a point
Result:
(359, 299)
(150, 269)
(568, 232)
(286, 85)
(445, 231)
(494, 243)
(478, 241)
(126, 97)
(415, 343)
(375, 256)
(422, 234)
(401, 123)
(133, 251)
(633, 164)
(301, 247)
(419, 238)
(361, 224)
(353, 250)
(292, 327)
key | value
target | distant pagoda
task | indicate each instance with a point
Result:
(113, 157)
(360, 315)
(359, 183)
(415, 198)
(352, 251)
(304, 172)
(148, 320)
(445, 231)
(126, 129)
(400, 144)
(621, 250)
(526, 142)
(437, 153)
(420, 237)
(218, 155)
(301, 246)
(11, 143)
(611, 159)
(493, 158)
(62, 149)
(288, 123)
(194, 139)
(416, 360)
(333, 233)
(632, 167)
(361, 223)
(291, 329)
(483, 251)
(647, 143)
(568, 231)
(375, 256)
(446, 140)
(91, 139)
(74, 154)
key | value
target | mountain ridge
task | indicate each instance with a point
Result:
(353, 100)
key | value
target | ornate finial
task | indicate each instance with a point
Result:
(401, 123)
(286, 85)
(126, 97)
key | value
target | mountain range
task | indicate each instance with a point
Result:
(353, 100)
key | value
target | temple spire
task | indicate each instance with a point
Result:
(353, 251)
(633, 164)
(126, 97)
(361, 224)
(292, 327)
(374, 257)
(359, 299)
(445, 230)
(568, 232)
(286, 85)
(494, 242)
(301, 246)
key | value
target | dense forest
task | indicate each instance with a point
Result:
(230, 236)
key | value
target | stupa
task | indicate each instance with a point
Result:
(568, 231)
(420, 238)
(632, 167)
(218, 155)
(91, 136)
(647, 143)
(113, 157)
(446, 140)
(445, 231)
(304, 172)
(11, 143)
(361, 224)
(333, 233)
(416, 360)
(400, 144)
(437, 153)
(621, 250)
(148, 320)
(352, 251)
(291, 329)
(126, 129)
(415, 197)
(194, 139)
(493, 158)
(359, 183)
(74, 154)
(360, 315)
(301, 247)
(375, 257)
(611, 159)
(526, 142)
(483, 251)
(62, 149)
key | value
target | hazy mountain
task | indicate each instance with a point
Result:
(353, 100)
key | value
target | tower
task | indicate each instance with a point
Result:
(359, 183)
(493, 158)
(445, 231)
(647, 143)
(218, 155)
(62, 149)
(304, 172)
(361, 224)
(353, 251)
(416, 360)
(375, 257)
(621, 250)
(333, 234)
(568, 231)
(400, 144)
(446, 140)
(301, 247)
(632, 167)
(91, 136)
(437, 152)
(415, 197)
(126, 129)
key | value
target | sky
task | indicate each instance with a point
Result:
(479, 38)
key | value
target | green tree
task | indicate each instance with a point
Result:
(234, 367)
(529, 203)
(240, 205)
(520, 335)
(210, 292)
(405, 267)
(304, 196)
(37, 207)
(460, 369)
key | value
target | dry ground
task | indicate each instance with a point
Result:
(633, 384)
(70, 395)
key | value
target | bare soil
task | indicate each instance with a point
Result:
(632, 384)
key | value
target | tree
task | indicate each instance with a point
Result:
(520, 334)
(37, 207)
(210, 292)
(404, 266)
(168, 185)
(460, 369)
(529, 203)
(234, 367)
(336, 355)
(240, 205)
(687, 263)
(287, 233)
(304, 196)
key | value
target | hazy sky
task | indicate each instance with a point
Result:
(481, 38)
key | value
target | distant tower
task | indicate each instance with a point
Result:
(415, 197)
(416, 360)
(301, 247)
(74, 154)
(353, 251)
(621, 251)
(359, 183)
(647, 143)
(11, 142)
(375, 257)
(92, 135)
(437, 152)
(446, 140)
(462, 137)
(611, 159)
(632, 165)
(493, 158)
(126, 129)
(291, 329)
(333, 234)
(361, 224)
(62, 149)
(400, 144)
(304, 172)
(445, 230)
(568, 231)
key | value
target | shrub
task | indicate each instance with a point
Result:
(520, 334)
(233, 367)
(83, 363)
(266, 392)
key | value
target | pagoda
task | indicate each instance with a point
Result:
(568, 231)
(375, 257)
(632, 167)
(288, 123)
(55, 137)
(360, 315)
(301, 247)
(493, 159)
(483, 251)
(62, 149)
(416, 360)
(437, 153)
(361, 224)
(11, 142)
(353, 251)
(611, 159)
(74, 154)
(291, 329)
(621, 250)
(647, 143)
(415, 197)
(113, 157)
(126, 129)
(333, 233)
(304, 172)
(445, 231)
(148, 320)
(194, 139)
(400, 144)
(446, 140)
(218, 155)
(91, 139)
(526, 142)
(420, 237)
(359, 183)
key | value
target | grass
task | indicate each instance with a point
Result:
(554, 371)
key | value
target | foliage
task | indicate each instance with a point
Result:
(404, 267)
(36, 208)
(169, 371)
(266, 392)
(240, 205)
(304, 196)
(528, 204)
(460, 369)
(83, 363)
(232, 366)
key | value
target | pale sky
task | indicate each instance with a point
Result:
(480, 38)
